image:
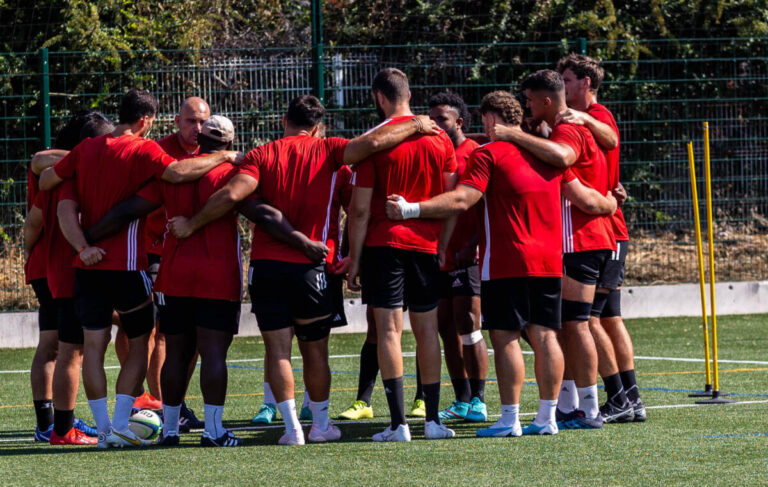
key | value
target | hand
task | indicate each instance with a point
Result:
(569, 115)
(233, 157)
(394, 212)
(315, 251)
(441, 257)
(620, 193)
(91, 255)
(466, 256)
(340, 267)
(505, 132)
(180, 227)
(353, 276)
(427, 125)
(612, 200)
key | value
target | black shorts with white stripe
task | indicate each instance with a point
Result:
(586, 266)
(612, 275)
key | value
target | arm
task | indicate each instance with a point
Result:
(224, 200)
(278, 227)
(33, 228)
(620, 193)
(357, 220)
(587, 199)
(49, 179)
(386, 137)
(44, 159)
(191, 169)
(552, 153)
(449, 183)
(70, 227)
(440, 207)
(603, 133)
(118, 217)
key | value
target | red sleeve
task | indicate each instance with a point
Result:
(570, 136)
(478, 171)
(602, 114)
(152, 191)
(450, 162)
(568, 176)
(336, 147)
(250, 163)
(66, 167)
(154, 159)
(364, 175)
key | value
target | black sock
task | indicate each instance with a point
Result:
(615, 390)
(393, 388)
(419, 387)
(432, 401)
(477, 386)
(369, 369)
(630, 384)
(63, 421)
(44, 413)
(461, 389)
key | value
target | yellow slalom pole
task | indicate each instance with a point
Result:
(700, 254)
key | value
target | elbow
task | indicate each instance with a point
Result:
(174, 176)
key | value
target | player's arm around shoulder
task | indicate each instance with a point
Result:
(587, 199)
(386, 137)
(552, 152)
(33, 228)
(187, 170)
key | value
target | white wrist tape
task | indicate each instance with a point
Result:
(471, 338)
(409, 210)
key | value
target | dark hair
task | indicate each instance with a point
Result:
(543, 80)
(71, 133)
(452, 100)
(583, 67)
(392, 83)
(503, 104)
(136, 104)
(305, 111)
(209, 145)
(96, 126)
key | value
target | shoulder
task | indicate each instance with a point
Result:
(601, 113)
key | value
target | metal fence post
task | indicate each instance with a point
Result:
(45, 94)
(318, 68)
(583, 46)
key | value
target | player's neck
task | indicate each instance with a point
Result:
(400, 110)
(123, 129)
(189, 149)
(552, 114)
(582, 102)
(460, 138)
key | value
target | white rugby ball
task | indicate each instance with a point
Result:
(145, 424)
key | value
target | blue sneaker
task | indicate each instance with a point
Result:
(577, 420)
(85, 428)
(305, 414)
(534, 429)
(477, 411)
(43, 436)
(267, 413)
(456, 411)
(500, 431)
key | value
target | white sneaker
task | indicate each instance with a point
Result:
(119, 439)
(316, 435)
(292, 438)
(401, 433)
(435, 431)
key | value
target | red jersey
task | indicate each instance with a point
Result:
(468, 223)
(207, 264)
(414, 170)
(57, 252)
(581, 231)
(156, 221)
(296, 175)
(602, 114)
(342, 194)
(107, 171)
(522, 235)
(34, 267)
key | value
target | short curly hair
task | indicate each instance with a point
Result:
(583, 67)
(503, 104)
(452, 100)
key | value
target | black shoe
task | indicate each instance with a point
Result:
(639, 409)
(561, 416)
(225, 440)
(188, 420)
(577, 420)
(172, 440)
(613, 413)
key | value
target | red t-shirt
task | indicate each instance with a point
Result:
(604, 115)
(156, 221)
(107, 171)
(468, 223)
(342, 194)
(207, 264)
(34, 267)
(581, 231)
(296, 175)
(57, 252)
(414, 170)
(522, 236)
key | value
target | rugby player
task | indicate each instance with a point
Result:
(289, 291)
(399, 264)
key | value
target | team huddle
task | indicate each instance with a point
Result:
(522, 236)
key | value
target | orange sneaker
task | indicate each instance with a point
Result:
(73, 437)
(147, 401)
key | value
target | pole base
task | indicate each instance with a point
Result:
(707, 392)
(717, 399)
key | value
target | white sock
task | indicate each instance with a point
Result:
(510, 415)
(269, 398)
(171, 420)
(122, 413)
(319, 414)
(305, 401)
(100, 414)
(546, 412)
(568, 400)
(213, 425)
(588, 401)
(287, 410)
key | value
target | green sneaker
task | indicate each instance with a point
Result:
(477, 411)
(418, 409)
(305, 414)
(267, 413)
(456, 411)
(358, 410)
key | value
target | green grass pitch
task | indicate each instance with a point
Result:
(679, 445)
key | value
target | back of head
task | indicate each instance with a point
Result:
(217, 133)
(503, 104)
(392, 83)
(545, 80)
(73, 130)
(97, 125)
(583, 67)
(137, 104)
(305, 112)
(453, 100)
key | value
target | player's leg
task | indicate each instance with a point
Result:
(369, 369)
(188, 420)
(452, 351)
(44, 361)
(156, 345)
(277, 345)
(418, 408)
(268, 409)
(389, 329)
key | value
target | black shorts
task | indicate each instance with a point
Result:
(513, 303)
(392, 277)
(69, 325)
(46, 314)
(336, 288)
(587, 266)
(282, 292)
(612, 275)
(460, 282)
(177, 315)
(99, 292)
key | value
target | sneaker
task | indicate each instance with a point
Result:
(43, 436)
(147, 401)
(437, 431)
(188, 421)
(267, 413)
(292, 438)
(478, 412)
(305, 414)
(316, 435)
(577, 420)
(534, 429)
(562, 415)
(358, 410)
(225, 440)
(401, 433)
(419, 409)
(612, 413)
(89, 430)
(170, 440)
(119, 439)
(73, 437)
(456, 411)
(639, 409)
(500, 431)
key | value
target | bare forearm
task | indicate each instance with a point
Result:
(118, 217)
(603, 133)
(45, 159)
(445, 235)
(70, 224)
(32, 234)
(192, 169)
(273, 221)
(546, 151)
(358, 226)
(380, 139)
